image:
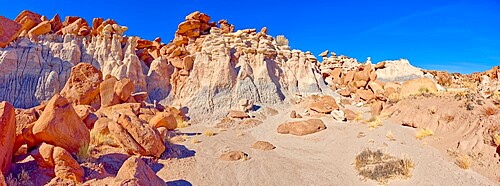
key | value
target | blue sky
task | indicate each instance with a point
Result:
(458, 36)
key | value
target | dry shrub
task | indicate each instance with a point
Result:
(393, 98)
(424, 133)
(390, 136)
(208, 133)
(359, 117)
(361, 134)
(463, 161)
(21, 179)
(374, 122)
(381, 167)
(182, 124)
(281, 40)
(489, 111)
(448, 118)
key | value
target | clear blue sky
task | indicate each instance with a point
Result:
(458, 36)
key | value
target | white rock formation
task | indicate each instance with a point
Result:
(398, 70)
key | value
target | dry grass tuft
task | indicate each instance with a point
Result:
(21, 179)
(182, 124)
(208, 133)
(195, 140)
(393, 98)
(381, 167)
(361, 134)
(390, 136)
(83, 153)
(374, 122)
(424, 133)
(359, 117)
(463, 161)
(281, 40)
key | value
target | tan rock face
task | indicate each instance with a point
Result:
(60, 125)
(124, 88)
(415, 86)
(233, 156)
(28, 20)
(9, 30)
(263, 145)
(324, 104)
(134, 171)
(301, 128)
(7, 135)
(377, 107)
(83, 84)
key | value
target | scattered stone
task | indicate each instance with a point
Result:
(234, 156)
(135, 171)
(301, 128)
(349, 115)
(238, 114)
(338, 115)
(324, 104)
(263, 145)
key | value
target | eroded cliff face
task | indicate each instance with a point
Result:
(217, 69)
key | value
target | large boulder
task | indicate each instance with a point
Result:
(416, 86)
(82, 86)
(301, 128)
(366, 95)
(9, 30)
(61, 126)
(163, 119)
(57, 158)
(7, 135)
(107, 92)
(136, 137)
(324, 104)
(43, 28)
(135, 171)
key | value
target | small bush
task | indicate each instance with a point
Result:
(83, 153)
(381, 167)
(21, 179)
(195, 140)
(393, 98)
(182, 124)
(281, 40)
(463, 161)
(208, 133)
(359, 117)
(424, 133)
(374, 122)
(390, 136)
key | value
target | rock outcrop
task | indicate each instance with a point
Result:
(7, 136)
(301, 128)
(134, 171)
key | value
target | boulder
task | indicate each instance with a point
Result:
(8, 135)
(263, 145)
(344, 92)
(301, 128)
(324, 104)
(9, 30)
(61, 126)
(28, 20)
(136, 137)
(245, 105)
(380, 65)
(57, 158)
(83, 84)
(377, 107)
(349, 114)
(55, 23)
(391, 87)
(324, 53)
(366, 95)
(66, 167)
(377, 89)
(2, 180)
(135, 171)
(107, 92)
(233, 156)
(163, 119)
(416, 86)
(124, 88)
(43, 28)
(238, 114)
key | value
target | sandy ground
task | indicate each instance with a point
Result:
(323, 158)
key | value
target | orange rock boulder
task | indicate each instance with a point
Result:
(9, 30)
(301, 128)
(416, 86)
(7, 135)
(82, 86)
(324, 104)
(61, 126)
(135, 171)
